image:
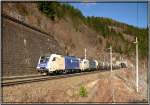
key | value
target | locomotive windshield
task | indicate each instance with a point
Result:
(44, 59)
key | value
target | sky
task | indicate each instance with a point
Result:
(130, 13)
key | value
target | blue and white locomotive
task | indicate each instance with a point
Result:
(57, 63)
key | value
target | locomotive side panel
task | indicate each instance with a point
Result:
(71, 63)
(92, 64)
(58, 64)
(80, 64)
(84, 64)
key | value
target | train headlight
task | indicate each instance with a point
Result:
(38, 67)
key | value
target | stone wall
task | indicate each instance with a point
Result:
(22, 47)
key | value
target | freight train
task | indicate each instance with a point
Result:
(54, 63)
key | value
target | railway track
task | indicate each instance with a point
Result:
(30, 79)
(21, 77)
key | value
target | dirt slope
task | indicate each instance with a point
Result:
(70, 38)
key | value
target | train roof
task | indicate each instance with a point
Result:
(71, 56)
(49, 54)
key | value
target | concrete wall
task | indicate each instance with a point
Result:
(22, 47)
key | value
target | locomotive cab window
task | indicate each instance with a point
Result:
(54, 59)
(44, 59)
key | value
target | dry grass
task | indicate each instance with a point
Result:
(61, 90)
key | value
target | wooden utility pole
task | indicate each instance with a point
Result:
(104, 61)
(110, 58)
(137, 68)
(112, 87)
(85, 53)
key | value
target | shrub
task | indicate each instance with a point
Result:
(50, 9)
(21, 9)
(83, 91)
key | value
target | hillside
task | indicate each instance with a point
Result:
(74, 32)
(110, 29)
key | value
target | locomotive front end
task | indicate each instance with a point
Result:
(43, 64)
